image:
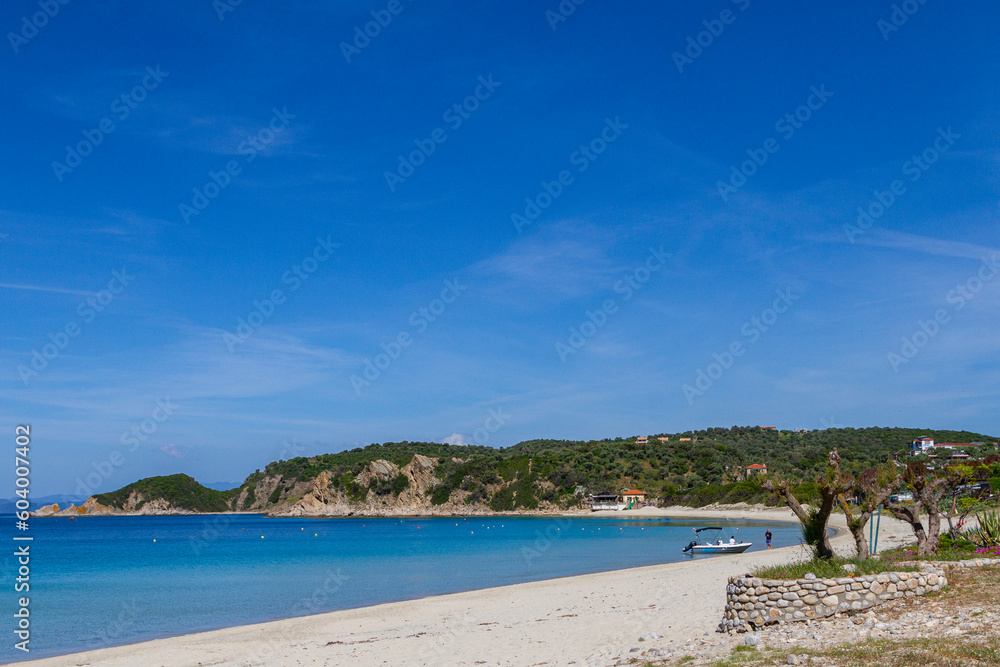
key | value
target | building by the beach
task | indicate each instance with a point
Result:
(605, 501)
(633, 498)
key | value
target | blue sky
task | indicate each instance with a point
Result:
(611, 123)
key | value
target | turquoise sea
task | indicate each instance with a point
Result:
(104, 581)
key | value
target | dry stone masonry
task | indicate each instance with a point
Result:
(752, 602)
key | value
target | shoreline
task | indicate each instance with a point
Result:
(576, 618)
(672, 511)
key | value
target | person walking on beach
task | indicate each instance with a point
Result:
(767, 538)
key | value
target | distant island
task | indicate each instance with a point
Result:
(695, 468)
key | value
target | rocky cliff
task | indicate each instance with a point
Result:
(137, 504)
(382, 488)
(416, 485)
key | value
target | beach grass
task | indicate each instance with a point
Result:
(831, 568)
(941, 652)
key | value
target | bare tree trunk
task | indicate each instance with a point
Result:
(833, 484)
(910, 515)
(930, 544)
(823, 547)
(856, 524)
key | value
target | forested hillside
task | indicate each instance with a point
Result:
(695, 467)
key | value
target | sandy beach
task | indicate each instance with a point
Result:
(587, 619)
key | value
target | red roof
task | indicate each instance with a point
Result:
(756, 466)
(634, 492)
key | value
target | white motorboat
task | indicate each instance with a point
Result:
(715, 545)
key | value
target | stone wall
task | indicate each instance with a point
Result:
(752, 602)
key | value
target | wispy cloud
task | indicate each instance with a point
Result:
(927, 245)
(171, 450)
(564, 260)
(43, 288)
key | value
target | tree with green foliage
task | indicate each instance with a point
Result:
(182, 492)
(929, 488)
(831, 484)
(872, 489)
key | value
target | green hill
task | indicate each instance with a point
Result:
(693, 468)
(181, 491)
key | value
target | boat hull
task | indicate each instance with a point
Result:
(720, 548)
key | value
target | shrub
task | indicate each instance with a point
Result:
(440, 494)
(503, 500)
(987, 533)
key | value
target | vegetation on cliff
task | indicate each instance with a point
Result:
(182, 492)
(692, 468)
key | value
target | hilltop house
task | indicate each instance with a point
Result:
(920, 445)
(756, 469)
(926, 445)
(663, 438)
(641, 440)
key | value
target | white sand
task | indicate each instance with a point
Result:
(573, 620)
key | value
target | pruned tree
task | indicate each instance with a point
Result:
(872, 488)
(929, 488)
(974, 472)
(832, 483)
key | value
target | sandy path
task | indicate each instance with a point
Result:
(586, 619)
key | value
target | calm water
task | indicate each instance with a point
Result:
(103, 581)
